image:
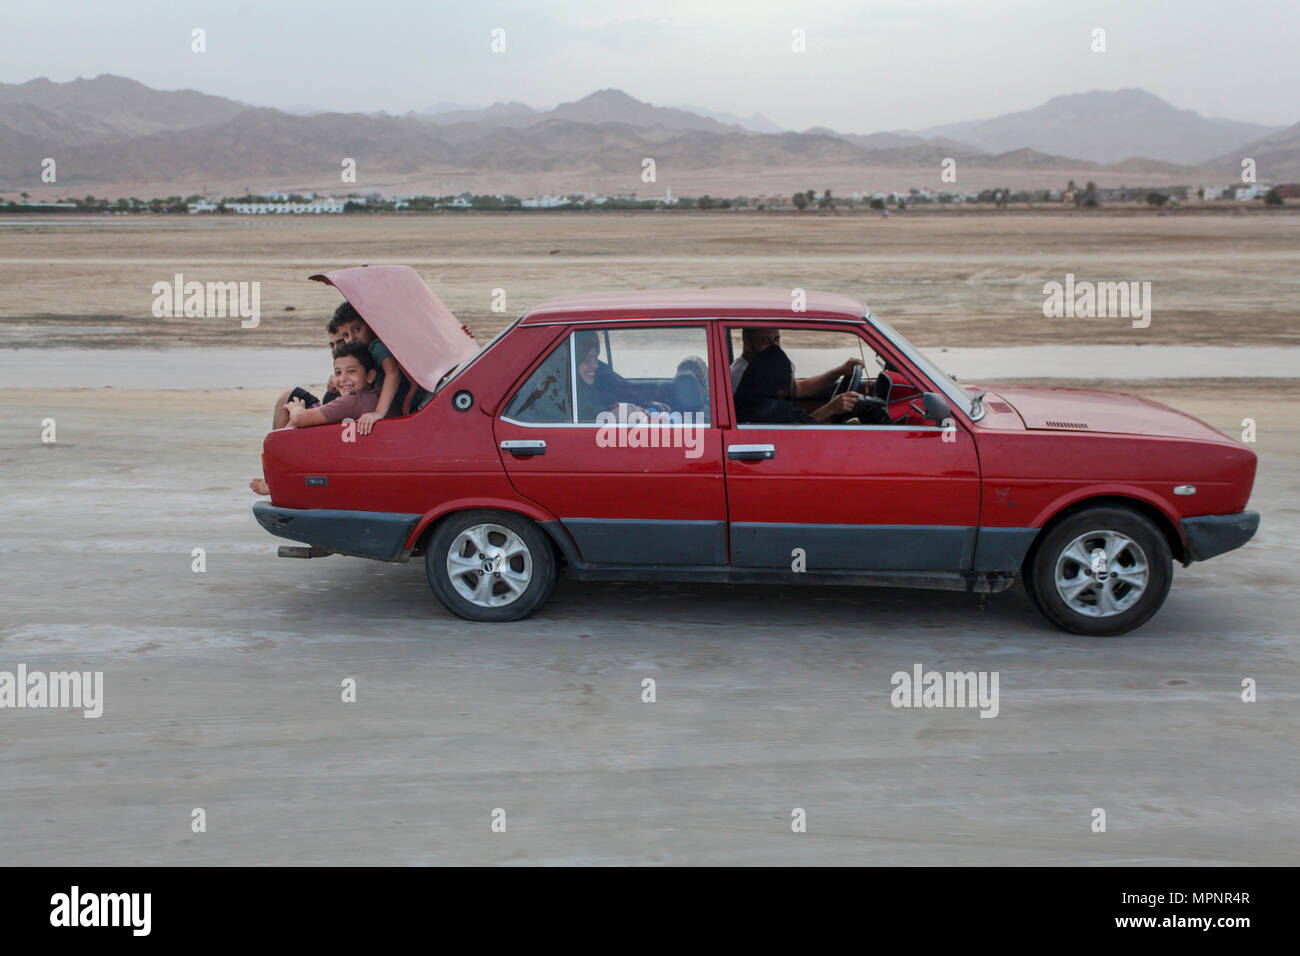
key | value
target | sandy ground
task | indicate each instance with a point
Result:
(957, 280)
(222, 689)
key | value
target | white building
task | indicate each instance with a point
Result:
(315, 207)
(1256, 191)
(545, 202)
(201, 206)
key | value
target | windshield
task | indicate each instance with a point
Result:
(966, 401)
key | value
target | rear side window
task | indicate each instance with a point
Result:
(599, 374)
(547, 396)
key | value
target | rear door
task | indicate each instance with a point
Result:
(618, 442)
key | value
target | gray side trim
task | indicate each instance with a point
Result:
(1003, 549)
(970, 582)
(624, 541)
(365, 534)
(834, 547)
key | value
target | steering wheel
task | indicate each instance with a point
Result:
(850, 383)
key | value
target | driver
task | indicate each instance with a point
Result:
(767, 389)
(756, 340)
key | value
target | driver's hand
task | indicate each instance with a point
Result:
(838, 405)
(847, 367)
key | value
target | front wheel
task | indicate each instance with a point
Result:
(490, 565)
(1101, 572)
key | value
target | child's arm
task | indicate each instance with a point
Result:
(392, 378)
(302, 417)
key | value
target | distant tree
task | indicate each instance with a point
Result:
(825, 202)
(800, 201)
(706, 202)
(1156, 199)
(1090, 200)
(24, 196)
(877, 204)
(1273, 198)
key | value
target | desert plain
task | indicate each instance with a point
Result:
(222, 688)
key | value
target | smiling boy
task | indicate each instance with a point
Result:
(279, 414)
(390, 383)
(354, 377)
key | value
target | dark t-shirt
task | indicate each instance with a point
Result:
(379, 351)
(350, 406)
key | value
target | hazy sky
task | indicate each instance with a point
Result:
(868, 66)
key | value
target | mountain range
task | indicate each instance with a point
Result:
(115, 134)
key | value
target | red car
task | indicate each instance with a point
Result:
(639, 436)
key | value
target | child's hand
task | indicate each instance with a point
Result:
(295, 408)
(331, 385)
(367, 421)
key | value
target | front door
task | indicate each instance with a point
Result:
(826, 497)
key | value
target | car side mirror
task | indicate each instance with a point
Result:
(936, 407)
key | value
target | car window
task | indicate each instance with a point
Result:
(812, 351)
(664, 370)
(594, 376)
(547, 396)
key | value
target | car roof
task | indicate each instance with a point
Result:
(693, 303)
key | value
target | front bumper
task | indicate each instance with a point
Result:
(1210, 535)
(365, 534)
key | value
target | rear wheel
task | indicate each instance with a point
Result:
(490, 565)
(1101, 572)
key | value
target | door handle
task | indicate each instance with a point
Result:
(524, 448)
(751, 452)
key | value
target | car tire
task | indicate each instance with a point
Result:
(490, 565)
(1101, 596)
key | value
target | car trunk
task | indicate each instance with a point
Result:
(425, 338)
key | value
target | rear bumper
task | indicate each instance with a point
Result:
(1210, 535)
(365, 534)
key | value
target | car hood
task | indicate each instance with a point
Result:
(1084, 410)
(400, 308)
